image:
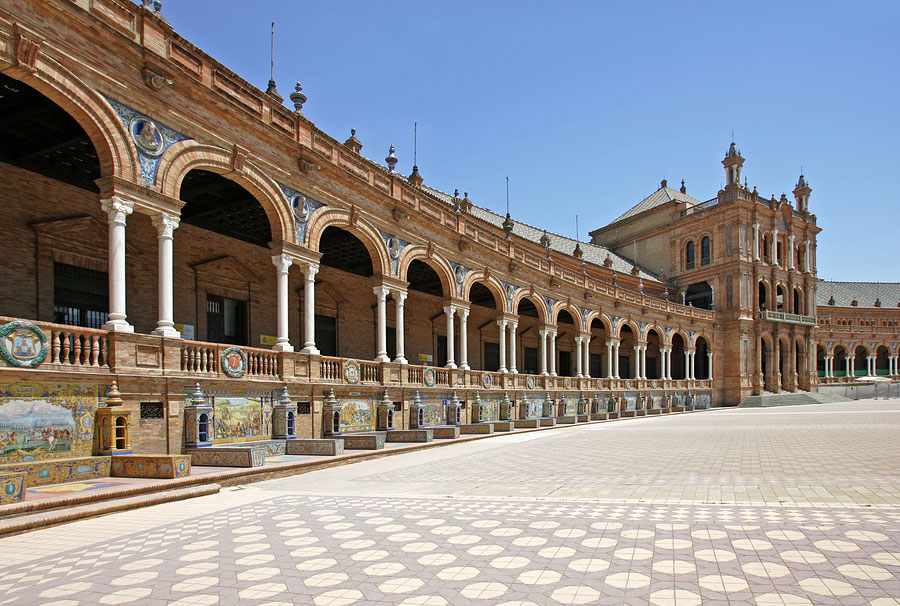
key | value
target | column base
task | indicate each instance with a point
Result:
(450, 365)
(311, 350)
(544, 373)
(118, 326)
(464, 366)
(283, 347)
(401, 360)
(513, 371)
(382, 358)
(168, 332)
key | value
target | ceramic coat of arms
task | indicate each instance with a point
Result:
(234, 362)
(429, 376)
(23, 344)
(351, 371)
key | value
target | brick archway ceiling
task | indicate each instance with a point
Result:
(342, 250)
(424, 279)
(564, 317)
(481, 295)
(527, 308)
(217, 204)
(38, 135)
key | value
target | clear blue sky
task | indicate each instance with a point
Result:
(586, 106)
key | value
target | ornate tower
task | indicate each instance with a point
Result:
(732, 163)
(801, 194)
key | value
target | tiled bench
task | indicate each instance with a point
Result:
(599, 416)
(654, 411)
(477, 428)
(503, 425)
(410, 435)
(582, 418)
(565, 420)
(232, 456)
(627, 414)
(12, 488)
(547, 422)
(529, 423)
(57, 471)
(612, 415)
(326, 447)
(450, 432)
(165, 467)
(366, 441)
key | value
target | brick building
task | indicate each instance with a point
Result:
(172, 225)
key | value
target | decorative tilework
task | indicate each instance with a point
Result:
(151, 466)
(303, 208)
(395, 246)
(327, 448)
(44, 472)
(12, 488)
(250, 456)
(164, 138)
(459, 275)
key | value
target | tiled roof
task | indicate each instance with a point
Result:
(865, 293)
(661, 196)
(591, 253)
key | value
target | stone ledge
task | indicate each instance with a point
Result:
(566, 420)
(326, 447)
(503, 425)
(446, 433)
(368, 441)
(58, 471)
(410, 435)
(527, 423)
(164, 467)
(232, 456)
(477, 428)
(547, 422)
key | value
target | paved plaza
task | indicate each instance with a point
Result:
(777, 506)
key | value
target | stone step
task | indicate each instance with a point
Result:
(768, 399)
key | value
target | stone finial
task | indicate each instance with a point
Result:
(391, 159)
(285, 397)
(298, 98)
(545, 240)
(663, 184)
(607, 262)
(385, 400)
(352, 142)
(801, 183)
(733, 151)
(113, 397)
(415, 178)
(477, 398)
(878, 302)
(273, 92)
(417, 400)
(330, 400)
(197, 398)
(683, 188)
(454, 399)
(578, 253)
(508, 226)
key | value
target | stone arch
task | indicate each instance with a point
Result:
(343, 218)
(763, 293)
(492, 284)
(116, 152)
(635, 329)
(439, 264)
(656, 328)
(537, 300)
(189, 155)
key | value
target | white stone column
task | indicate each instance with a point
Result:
(829, 366)
(543, 335)
(637, 362)
(773, 253)
(309, 310)
(449, 311)
(668, 364)
(579, 351)
(616, 359)
(687, 365)
(872, 366)
(586, 357)
(463, 339)
(756, 241)
(644, 362)
(892, 366)
(502, 325)
(117, 211)
(512, 346)
(165, 228)
(399, 302)
(282, 267)
(709, 358)
(851, 365)
(381, 293)
(791, 247)
(807, 260)
(609, 359)
(552, 337)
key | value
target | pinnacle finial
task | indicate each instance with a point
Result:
(297, 98)
(391, 159)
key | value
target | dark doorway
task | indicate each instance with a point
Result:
(226, 320)
(326, 335)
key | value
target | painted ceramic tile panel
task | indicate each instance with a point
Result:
(571, 402)
(490, 410)
(46, 420)
(241, 416)
(631, 401)
(703, 399)
(435, 408)
(357, 413)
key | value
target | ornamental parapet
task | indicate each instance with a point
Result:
(778, 316)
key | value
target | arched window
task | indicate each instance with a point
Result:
(203, 428)
(689, 256)
(420, 420)
(290, 423)
(705, 251)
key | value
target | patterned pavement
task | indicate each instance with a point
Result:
(781, 506)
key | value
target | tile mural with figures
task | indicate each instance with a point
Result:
(435, 407)
(240, 415)
(46, 420)
(357, 412)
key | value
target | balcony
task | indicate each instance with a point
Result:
(786, 318)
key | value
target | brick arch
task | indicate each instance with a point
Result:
(573, 311)
(115, 150)
(635, 330)
(189, 155)
(684, 337)
(660, 333)
(436, 262)
(492, 283)
(350, 222)
(538, 301)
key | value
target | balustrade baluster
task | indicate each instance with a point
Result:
(95, 350)
(54, 356)
(64, 358)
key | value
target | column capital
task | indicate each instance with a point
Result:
(613, 341)
(381, 292)
(463, 312)
(282, 263)
(502, 322)
(311, 270)
(165, 224)
(543, 332)
(449, 310)
(399, 295)
(117, 209)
